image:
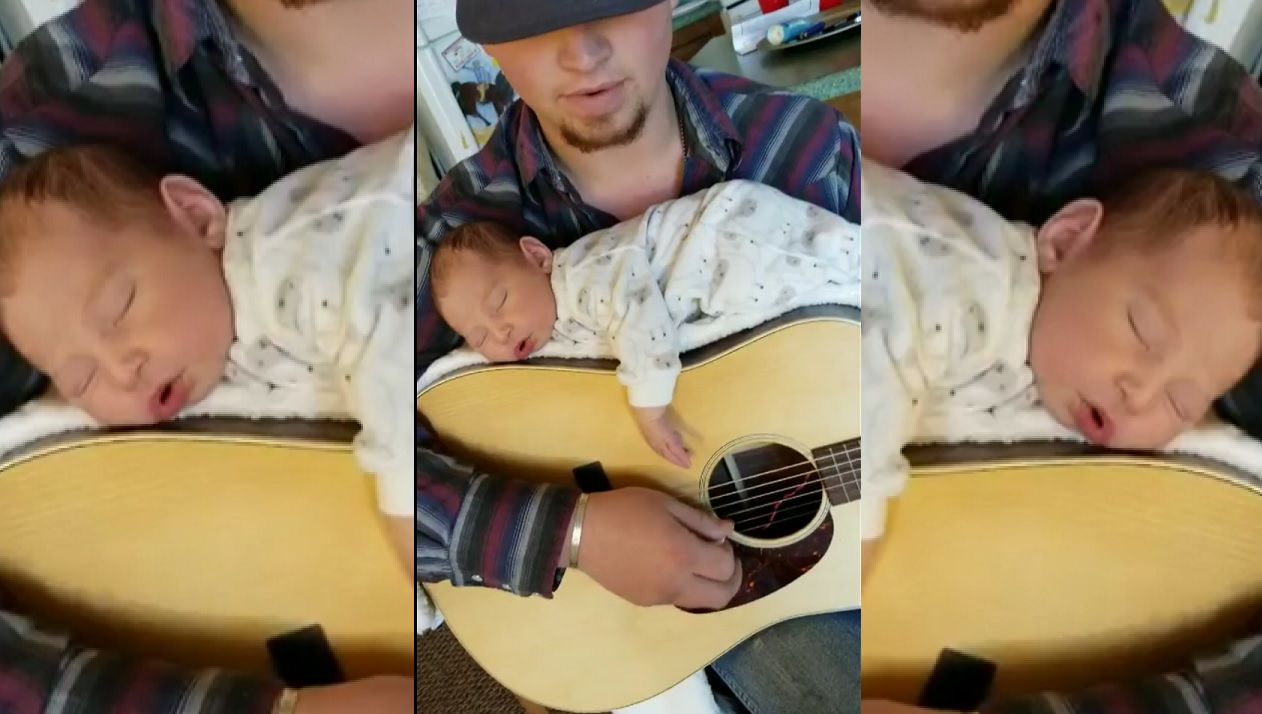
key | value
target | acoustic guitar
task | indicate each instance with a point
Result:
(772, 418)
(200, 542)
(1063, 566)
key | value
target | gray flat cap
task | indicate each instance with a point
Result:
(495, 21)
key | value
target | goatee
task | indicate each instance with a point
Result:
(588, 143)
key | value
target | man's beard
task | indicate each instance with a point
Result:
(962, 15)
(606, 135)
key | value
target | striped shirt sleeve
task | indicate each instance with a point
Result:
(849, 183)
(44, 673)
(1228, 681)
(478, 529)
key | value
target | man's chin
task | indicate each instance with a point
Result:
(590, 141)
(593, 136)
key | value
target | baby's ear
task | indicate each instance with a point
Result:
(536, 252)
(1067, 233)
(193, 207)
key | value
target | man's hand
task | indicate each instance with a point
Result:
(650, 549)
(387, 695)
(657, 424)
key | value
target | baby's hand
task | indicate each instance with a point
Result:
(657, 424)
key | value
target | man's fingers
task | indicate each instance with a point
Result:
(703, 524)
(713, 561)
(710, 594)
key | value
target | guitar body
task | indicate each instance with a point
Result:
(1065, 571)
(199, 547)
(793, 383)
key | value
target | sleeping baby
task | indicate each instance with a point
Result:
(138, 293)
(737, 249)
(1126, 316)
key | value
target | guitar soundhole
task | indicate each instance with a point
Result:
(770, 492)
(775, 497)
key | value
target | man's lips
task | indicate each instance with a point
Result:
(594, 89)
(169, 399)
(597, 101)
(1094, 423)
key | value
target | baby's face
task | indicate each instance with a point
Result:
(504, 308)
(1131, 349)
(131, 324)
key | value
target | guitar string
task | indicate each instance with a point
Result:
(734, 490)
(814, 495)
(768, 504)
(831, 456)
(749, 523)
(766, 490)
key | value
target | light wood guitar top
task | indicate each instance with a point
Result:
(1065, 571)
(198, 546)
(794, 382)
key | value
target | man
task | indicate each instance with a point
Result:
(237, 94)
(607, 126)
(1027, 104)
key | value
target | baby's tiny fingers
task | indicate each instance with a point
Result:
(679, 454)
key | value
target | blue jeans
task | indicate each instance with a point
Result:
(809, 665)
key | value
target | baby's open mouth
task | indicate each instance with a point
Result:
(168, 399)
(524, 347)
(1094, 423)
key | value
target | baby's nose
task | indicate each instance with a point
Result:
(125, 367)
(1140, 390)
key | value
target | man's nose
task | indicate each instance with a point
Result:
(583, 49)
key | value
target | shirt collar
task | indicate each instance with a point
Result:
(1078, 37)
(708, 130)
(182, 25)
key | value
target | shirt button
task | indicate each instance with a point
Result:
(476, 578)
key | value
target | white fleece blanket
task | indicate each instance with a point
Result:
(691, 336)
(1213, 439)
(49, 415)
